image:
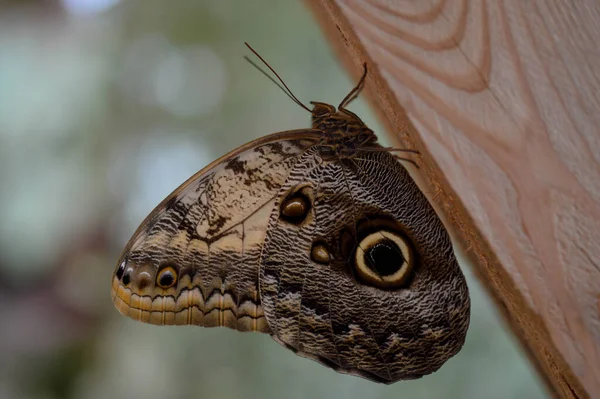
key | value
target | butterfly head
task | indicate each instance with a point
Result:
(325, 116)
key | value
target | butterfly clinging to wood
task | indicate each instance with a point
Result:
(318, 237)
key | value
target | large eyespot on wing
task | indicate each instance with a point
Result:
(421, 323)
(412, 315)
(194, 260)
(384, 259)
(380, 253)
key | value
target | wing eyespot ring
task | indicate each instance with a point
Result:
(121, 270)
(384, 259)
(296, 206)
(319, 253)
(166, 277)
(380, 253)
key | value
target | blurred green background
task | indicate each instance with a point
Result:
(106, 106)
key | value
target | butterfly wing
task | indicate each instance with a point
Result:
(313, 293)
(194, 260)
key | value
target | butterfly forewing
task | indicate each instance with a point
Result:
(194, 260)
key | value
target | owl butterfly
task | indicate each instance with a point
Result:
(318, 237)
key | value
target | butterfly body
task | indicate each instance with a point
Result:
(318, 237)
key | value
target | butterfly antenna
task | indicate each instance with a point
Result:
(276, 83)
(287, 89)
(356, 91)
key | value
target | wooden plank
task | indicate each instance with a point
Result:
(504, 96)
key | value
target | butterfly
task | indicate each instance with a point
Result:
(318, 237)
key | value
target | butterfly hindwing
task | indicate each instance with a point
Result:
(323, 310)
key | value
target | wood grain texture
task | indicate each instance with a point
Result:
(502, 100)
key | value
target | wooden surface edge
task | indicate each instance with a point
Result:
(522, 320)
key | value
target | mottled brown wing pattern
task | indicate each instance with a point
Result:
(318, 237)
(207, 237)
(323, 312)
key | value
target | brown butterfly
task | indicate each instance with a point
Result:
(318, 237)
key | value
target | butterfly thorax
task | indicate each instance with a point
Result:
(344, 133)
